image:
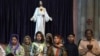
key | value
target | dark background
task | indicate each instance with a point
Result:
(15, 17)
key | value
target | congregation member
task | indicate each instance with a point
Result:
(57, 49)
(14, 46)
(27, 44)
(89, 46)
(49, 39)
(49, 43)
(38, 45)
(71, 47)
(2, 51)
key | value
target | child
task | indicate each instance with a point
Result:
(71, 47)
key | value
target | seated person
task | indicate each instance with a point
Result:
(71, 47)
(57, 49)
(14, 46)
(27, 45)
(38, 45)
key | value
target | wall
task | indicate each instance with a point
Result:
(86, 15)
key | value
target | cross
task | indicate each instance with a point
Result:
(89, 21)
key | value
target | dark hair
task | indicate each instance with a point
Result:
(14, 35)
(42, 39)
(71, 34)
(10, 54)
(10, 43)
(58, 36)
(89, 30)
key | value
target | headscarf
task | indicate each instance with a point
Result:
(10, 42)
(27, 36)
(50, 37)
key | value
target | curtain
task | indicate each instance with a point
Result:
(15, 18)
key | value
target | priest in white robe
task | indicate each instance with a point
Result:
(40, 17)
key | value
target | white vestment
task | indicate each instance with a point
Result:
(2, 51)
(40, 17)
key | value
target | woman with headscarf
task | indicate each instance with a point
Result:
(49, 43)
(14, 46)
(49, 39)
(27, 45)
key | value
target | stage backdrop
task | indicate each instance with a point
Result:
(15, 17)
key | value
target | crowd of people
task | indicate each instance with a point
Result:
(52, 45)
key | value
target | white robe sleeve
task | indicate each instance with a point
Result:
(2, 50)
(34, 17)
(47, 17)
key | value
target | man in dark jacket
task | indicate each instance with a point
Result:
(71, 47)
